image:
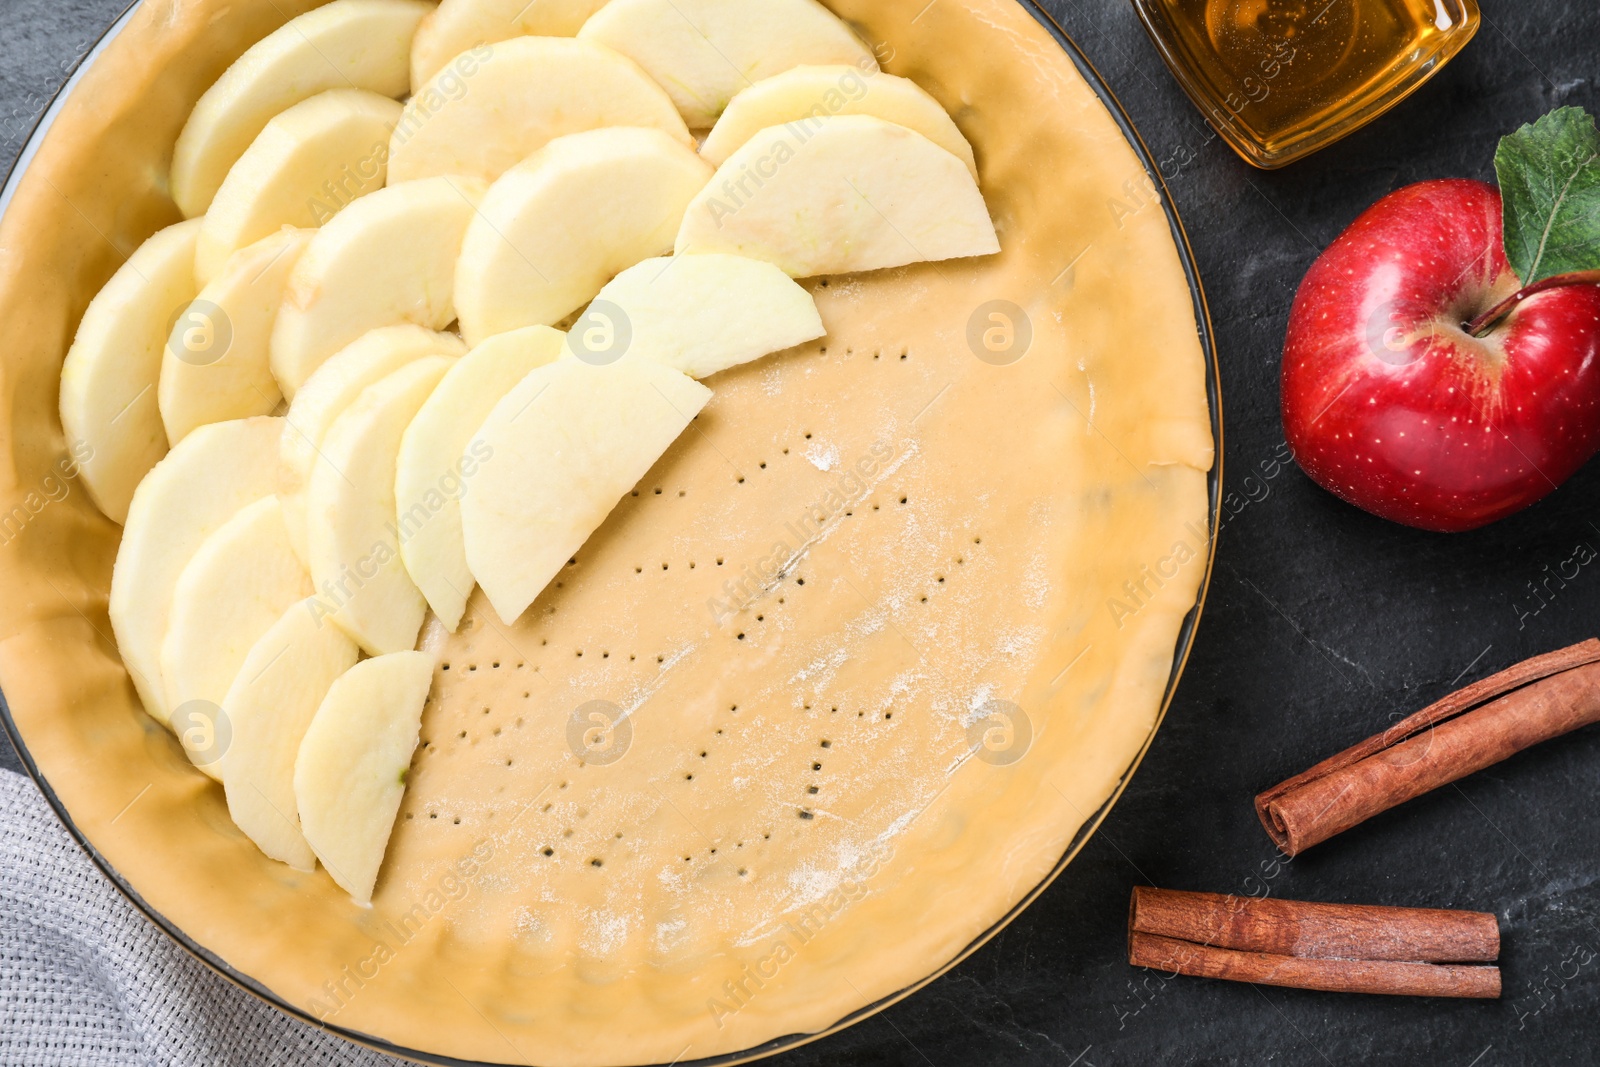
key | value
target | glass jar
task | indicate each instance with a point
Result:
(1280, 79)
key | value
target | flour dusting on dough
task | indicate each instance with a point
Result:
(823, 457)
(606, 932)
(669, 933)
(976, 705)
(1035, 583)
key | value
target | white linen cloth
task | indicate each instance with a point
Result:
(86, 981)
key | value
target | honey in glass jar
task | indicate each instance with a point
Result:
(1280, 79)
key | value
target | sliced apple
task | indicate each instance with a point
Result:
(524, 94)
(436, 469)
(307, 165)
(329, 392)
(350, 774)
(190, 494)
(353, 540)
(274, 697)
(700, 314)
(556, 228)
(240, 581)
(460, 25)
(705, 51)
(348, 44)
(387, 259)
(851, 193)
(561, 449)
(217, 366)
(109, 381)
(805, 94)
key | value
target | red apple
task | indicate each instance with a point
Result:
(1389, 401)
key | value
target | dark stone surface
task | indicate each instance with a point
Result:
(1323, 624)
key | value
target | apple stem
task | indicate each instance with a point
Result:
(1480, 326)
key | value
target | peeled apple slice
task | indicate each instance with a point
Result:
(273, 699)
(361, 581)
(240, 582)
(705, 51)
(217, 366)
(308, 164)
(562, 448)
(190, 494)
(109, 406)
(854, 194)
(389, 258)
(703, 314)
(348, 44)
(332, 389)
(557, 227)
(436, 469)
(524, 94)
(460, 25)
(350, 775)
(805, 94)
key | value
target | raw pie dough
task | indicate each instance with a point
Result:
(1031, 533)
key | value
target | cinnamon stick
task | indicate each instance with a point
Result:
(1424, 952)
(1333, 976)
(1471, 729)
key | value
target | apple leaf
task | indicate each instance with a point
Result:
(1549, 175)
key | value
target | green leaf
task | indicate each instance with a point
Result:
(1550, 183)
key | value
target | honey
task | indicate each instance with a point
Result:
(1280, 79)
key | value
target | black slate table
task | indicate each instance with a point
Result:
(1323, 625)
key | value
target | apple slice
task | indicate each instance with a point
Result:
(348, 44)
(435, 468)
(109, 407)
(217, 364)
(331, 390)
(805, 94)
(308, 164)
(460, 25)
(561, 449)
(387, 259)
(849, 193)
(353, 540)
(240, 581)
(698, 314)
(190, 494)
(350, 774)
(271, 703)
(525, 93)
(705, 51)
(559, 226)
